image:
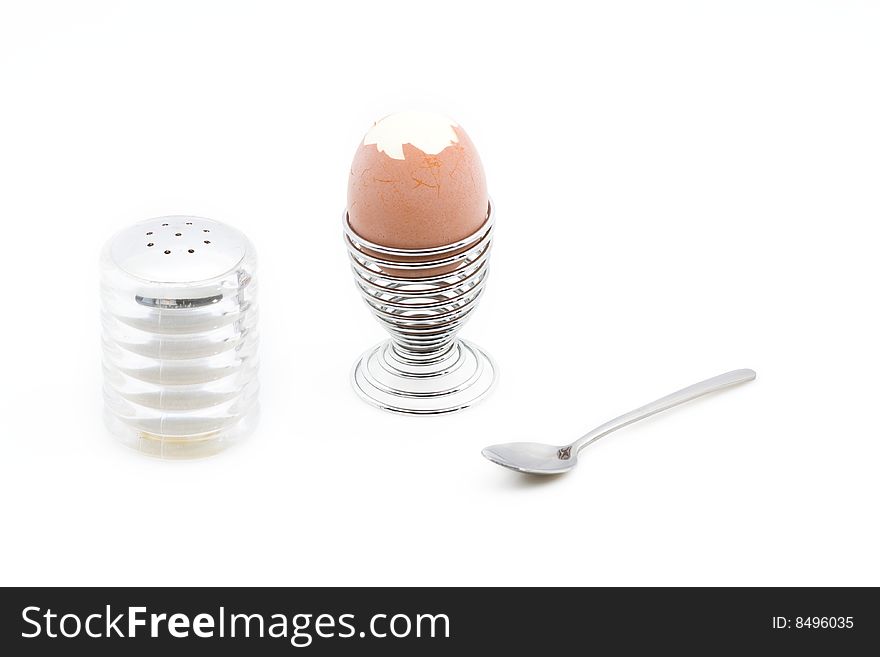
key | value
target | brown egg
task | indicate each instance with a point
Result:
(416, 181)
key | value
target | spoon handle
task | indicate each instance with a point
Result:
(664, 403)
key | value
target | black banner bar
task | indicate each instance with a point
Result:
(419, 621)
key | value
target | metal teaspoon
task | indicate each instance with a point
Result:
(541, 459)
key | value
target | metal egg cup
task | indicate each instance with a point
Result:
(423, 297)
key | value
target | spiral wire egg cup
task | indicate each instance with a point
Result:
(423, 297)
(180, 336)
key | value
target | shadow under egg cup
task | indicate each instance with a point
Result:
(423, 297)
(180, 336)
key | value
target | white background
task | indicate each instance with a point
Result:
(682, 189)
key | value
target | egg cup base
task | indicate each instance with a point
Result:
(458, 381)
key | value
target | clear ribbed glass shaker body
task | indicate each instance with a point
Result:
(180, 336)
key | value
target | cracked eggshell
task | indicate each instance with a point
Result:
(416, 181)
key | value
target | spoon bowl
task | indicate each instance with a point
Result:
(532, 458)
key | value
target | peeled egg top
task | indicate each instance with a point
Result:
(416, 182)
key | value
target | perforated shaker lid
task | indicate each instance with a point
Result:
(178, 249)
